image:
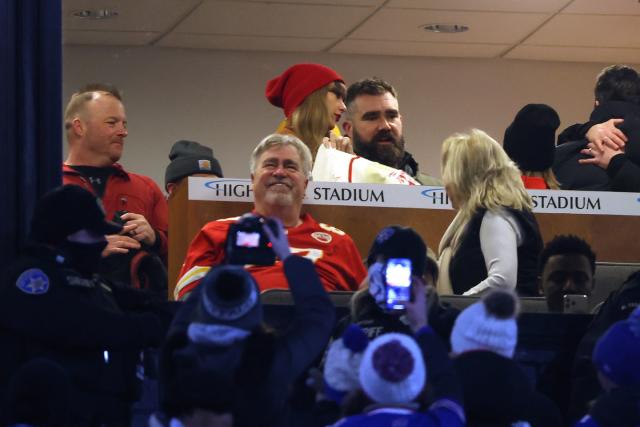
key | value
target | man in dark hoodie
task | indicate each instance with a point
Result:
(602, 165)
(53, 306)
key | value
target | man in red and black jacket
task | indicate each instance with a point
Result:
(96, 127)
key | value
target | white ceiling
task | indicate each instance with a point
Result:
(554, 30)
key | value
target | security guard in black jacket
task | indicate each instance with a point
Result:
(53, 306)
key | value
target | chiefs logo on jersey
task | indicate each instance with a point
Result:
(322, 237)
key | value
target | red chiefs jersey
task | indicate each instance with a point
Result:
(332, 251)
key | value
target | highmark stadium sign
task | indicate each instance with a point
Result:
(417, 197)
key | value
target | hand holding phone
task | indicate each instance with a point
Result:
(418, 309)
(277, 235)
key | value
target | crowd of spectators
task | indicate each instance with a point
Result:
(85, 321)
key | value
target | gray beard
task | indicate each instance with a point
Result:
(278, 198)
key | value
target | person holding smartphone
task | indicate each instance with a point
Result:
(218, 338)
(398, 262)
(567, 273)
(280, 168)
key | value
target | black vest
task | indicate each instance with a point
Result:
(468, 268)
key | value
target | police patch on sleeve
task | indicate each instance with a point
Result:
(33, 282)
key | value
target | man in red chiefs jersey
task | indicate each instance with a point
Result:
(280, 170)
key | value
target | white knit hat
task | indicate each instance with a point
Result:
(489, 324)
(392, 369)
(342, 363)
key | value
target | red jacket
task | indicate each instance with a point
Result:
(132, 193)
(534, 182)
(335, 256)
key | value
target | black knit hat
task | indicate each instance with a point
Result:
(229, 296)
(530, 139)
(188, 158)
(397, 241)
(52, 220)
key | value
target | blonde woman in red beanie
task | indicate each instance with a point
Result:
(312, 97)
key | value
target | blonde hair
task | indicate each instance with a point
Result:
(547, 175)
(310, 121)
(481, 176)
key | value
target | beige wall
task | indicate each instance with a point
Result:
(217, 98)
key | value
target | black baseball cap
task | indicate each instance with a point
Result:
(65, 210)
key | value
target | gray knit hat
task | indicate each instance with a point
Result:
(188, 158)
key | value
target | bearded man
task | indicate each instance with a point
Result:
(374, 124)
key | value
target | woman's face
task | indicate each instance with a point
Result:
(335, 103)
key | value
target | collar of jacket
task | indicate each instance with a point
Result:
(117, 166)
(614, 110)
(409, 164)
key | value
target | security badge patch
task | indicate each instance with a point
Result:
(33, 282)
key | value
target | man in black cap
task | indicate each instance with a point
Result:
(54, 306)
(189, 158)
(369, 306)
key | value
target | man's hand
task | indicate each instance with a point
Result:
(138, 227)
(277, 237)
(607, 134)
(341, 143)
(119, 244)
(599, 156)
(418, 309)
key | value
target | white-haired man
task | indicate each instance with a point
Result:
(280, 170)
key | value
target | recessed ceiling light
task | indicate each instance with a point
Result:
(95, 14)
(445, 28)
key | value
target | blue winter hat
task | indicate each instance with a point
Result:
(617, 353)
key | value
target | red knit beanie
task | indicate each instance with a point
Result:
(290, 88)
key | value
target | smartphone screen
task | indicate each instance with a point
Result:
(398, 282)
(247, 239)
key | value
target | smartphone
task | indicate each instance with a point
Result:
(397, 283)
(575, 304)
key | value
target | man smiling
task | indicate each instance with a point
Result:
(374, 124)
(96, 127)
(280, 168)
